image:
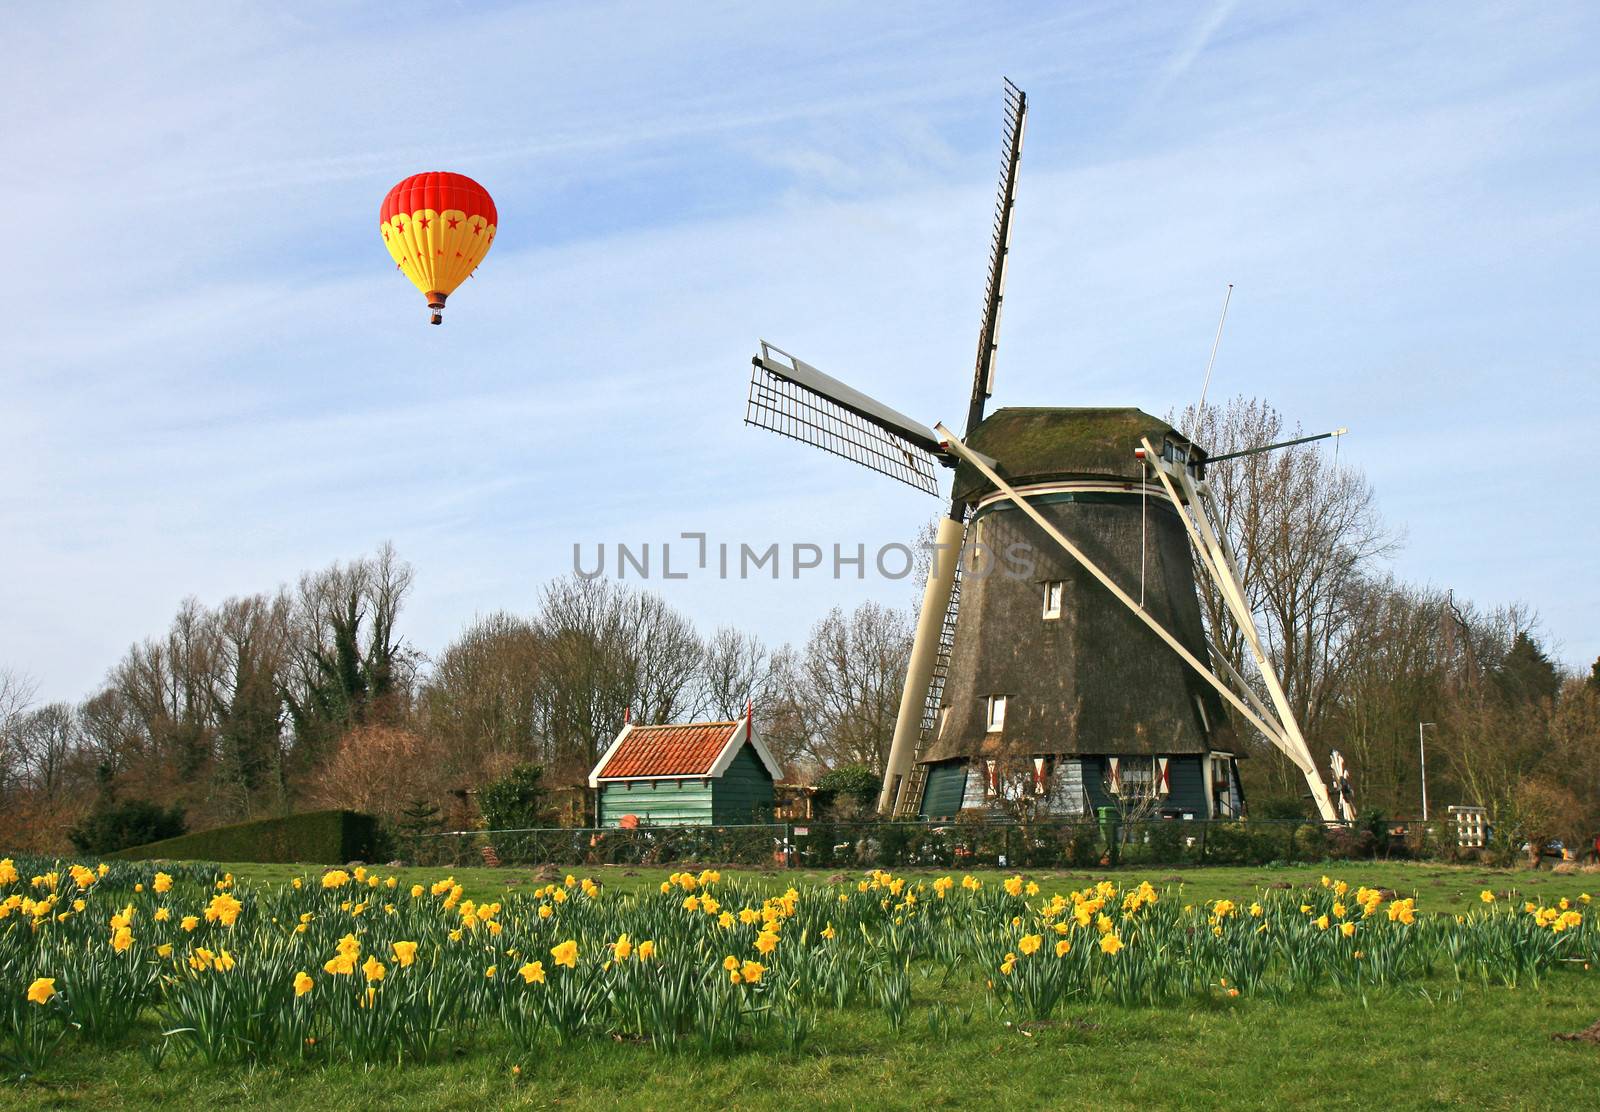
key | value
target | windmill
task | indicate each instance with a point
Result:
(1080, 675)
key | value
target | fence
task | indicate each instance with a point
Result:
(952, 845)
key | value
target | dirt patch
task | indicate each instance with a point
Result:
(1590, 1034)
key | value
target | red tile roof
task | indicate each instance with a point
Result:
(668, 751)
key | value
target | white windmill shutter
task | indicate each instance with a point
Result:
(991, 769)
(1163, 784)
(1038, 776)
(1114, 774)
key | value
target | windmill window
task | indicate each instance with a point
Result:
(1053, 593)
(1138, 777)
(997, 713)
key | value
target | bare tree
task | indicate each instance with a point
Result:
(246, 694)
(610, 650)
(736, 672)
(16, 695)
(667, 658)
(1391, 679)
(482, 700)
(47, 739)
(167, 682)
(840, 696)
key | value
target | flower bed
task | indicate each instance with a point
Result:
(357, 966)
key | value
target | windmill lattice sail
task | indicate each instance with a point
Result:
(999, 248)
(794, 399)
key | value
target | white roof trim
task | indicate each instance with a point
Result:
(594, 773)
(736, 742)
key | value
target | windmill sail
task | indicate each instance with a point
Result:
(994, 293)
(794, 399)
(929, 681)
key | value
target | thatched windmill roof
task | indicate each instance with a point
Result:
(1034, 444)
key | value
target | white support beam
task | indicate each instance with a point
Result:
(1219, 563)
(1278, 735)
(1244, 688)
(953, 444)
(919, 670)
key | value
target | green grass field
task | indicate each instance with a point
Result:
(1424, 1046)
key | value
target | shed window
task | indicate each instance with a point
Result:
(1053, 592)
(997, 713)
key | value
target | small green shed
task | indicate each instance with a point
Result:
(694, 774)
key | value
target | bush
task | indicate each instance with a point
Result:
(120, 825)
(516, 801)
(313, 837)
(1278, 809)
(854, 782)
(1310, 843)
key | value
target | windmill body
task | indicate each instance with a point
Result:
(1097, 711)
(1060, 660)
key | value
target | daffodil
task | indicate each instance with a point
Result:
(42, 990)
(302, 983)
(566, 953)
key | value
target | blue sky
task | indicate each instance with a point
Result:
(213, 378)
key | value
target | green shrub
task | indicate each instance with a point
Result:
(516, 801)
(120, 825)
(313, 837)
(1310, 843)
(855, 782)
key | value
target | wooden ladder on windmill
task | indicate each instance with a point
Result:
(910, 804)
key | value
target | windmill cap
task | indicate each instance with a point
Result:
(1051, 443)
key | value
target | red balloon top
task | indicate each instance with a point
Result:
(440, 191)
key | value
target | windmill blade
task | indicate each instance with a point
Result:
(1016, 116)
(794, 399)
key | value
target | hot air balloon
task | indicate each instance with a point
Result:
(438, 227)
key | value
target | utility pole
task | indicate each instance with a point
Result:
(1422, 752)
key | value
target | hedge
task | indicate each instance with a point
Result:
(313, 837)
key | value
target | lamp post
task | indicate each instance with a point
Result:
(1422, 752)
